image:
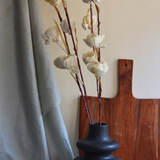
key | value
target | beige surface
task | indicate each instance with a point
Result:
(132, 31)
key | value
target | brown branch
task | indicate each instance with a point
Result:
(99, 59)
(78, 83)
(74, 47)
(91, 18)
(87, 110)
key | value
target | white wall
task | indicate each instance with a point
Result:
(132, 29)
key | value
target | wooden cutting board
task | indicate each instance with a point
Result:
(132, 122)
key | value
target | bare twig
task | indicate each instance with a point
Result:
(99, 59)
(74, 47)
(61, 47)
(99, 89)
(77, 79)
(91, 18)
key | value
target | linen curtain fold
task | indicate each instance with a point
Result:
(28, 88)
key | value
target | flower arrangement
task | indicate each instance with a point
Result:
(92, 59)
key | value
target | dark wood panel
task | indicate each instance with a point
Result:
(132, 122)
(146, 130)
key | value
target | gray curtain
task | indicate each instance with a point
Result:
(31, 125)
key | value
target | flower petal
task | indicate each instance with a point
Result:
(71, 63)
(65, 27)
(92, 66)
(94, 40)
(88, 57)
(75, 69)
(86, 22)
(59, 62)
(44, 36)
(88, 42)
(51, 35)
(67, 62)
(98, 68)
(48, 42)
(102, 37)
(84, 26)
(102, 68)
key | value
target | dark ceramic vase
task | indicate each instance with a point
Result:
(97, 145)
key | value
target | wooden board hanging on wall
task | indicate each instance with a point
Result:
(132, 122)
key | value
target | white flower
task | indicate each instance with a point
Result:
(89, 56)
(94, 40)
(86, 22)
(67, 62)
(65, 27)
(59, 62)
(89, 1)
(98, 68)
(51, 35)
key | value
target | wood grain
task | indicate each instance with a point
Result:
(132, 122)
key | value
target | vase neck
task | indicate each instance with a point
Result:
(97, 132)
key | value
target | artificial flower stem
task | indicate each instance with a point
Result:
(78, 83)
(87, 110)
(77, 59)
(72, 75)
(77, 80)
(99, 101)
(91, 18)
(61, 47)
(99, 59)
(91, 21)
(99, 54)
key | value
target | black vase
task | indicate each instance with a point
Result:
(97, 145)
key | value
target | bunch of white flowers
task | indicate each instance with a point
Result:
(92, 59)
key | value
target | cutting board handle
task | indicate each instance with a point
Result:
(125, 68)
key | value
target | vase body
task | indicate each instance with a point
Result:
(97, 145)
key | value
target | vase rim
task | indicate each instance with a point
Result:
(97, 124)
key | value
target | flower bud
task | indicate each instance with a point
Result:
(97, 68)
(88, 57)
(67, 62)
(94, 40)
(65, 27)
(86, 22)
(51, 35)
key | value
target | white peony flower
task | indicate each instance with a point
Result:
(98, 68)
(94, 40)
(86, 22)
(59, 62)
(65, 27)
(89, 56)
(51, 35)
(67, 62)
